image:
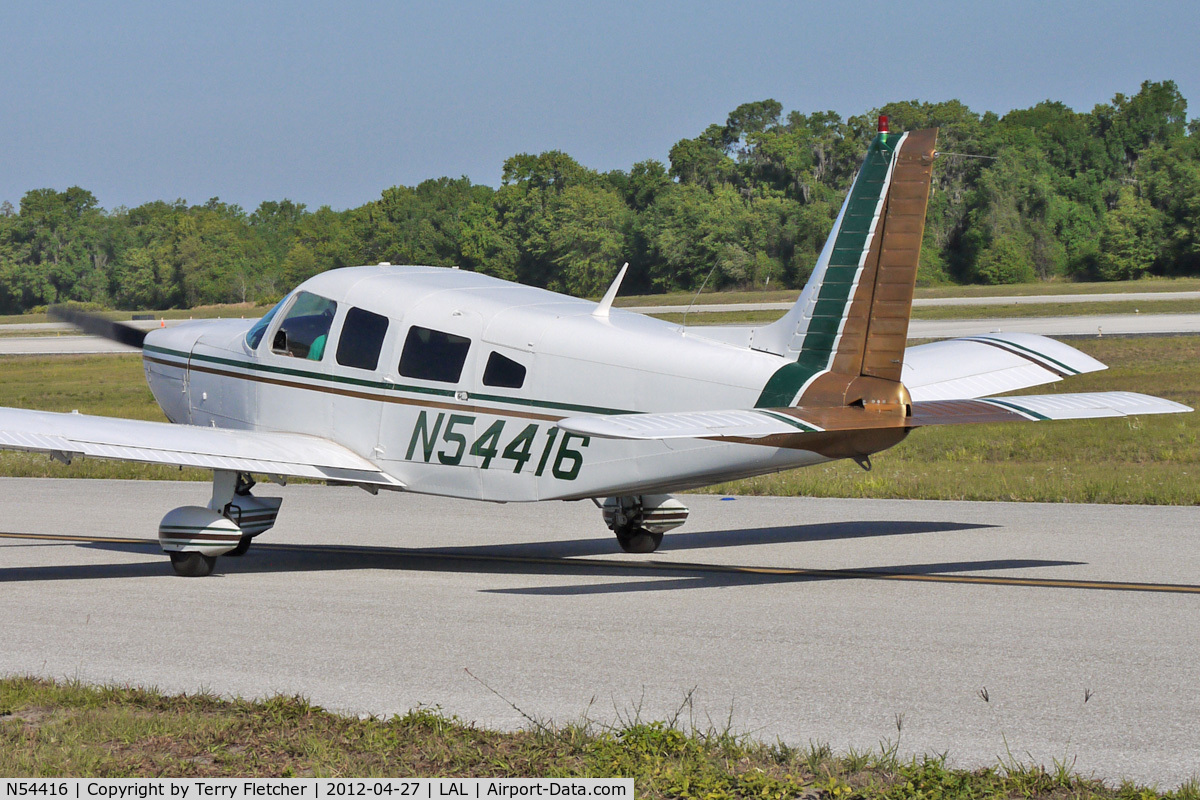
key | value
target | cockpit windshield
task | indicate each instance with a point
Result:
(255, 334)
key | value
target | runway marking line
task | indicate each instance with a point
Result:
(675, 566)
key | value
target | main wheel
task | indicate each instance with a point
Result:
(242, 547)
(638, 540)
(192, 565)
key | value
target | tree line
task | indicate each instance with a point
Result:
(1038, 193)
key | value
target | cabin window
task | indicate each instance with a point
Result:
(433, 355)
(304, 332)
(361, 339)
(255, 334)
(503, 372)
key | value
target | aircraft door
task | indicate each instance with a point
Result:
(428, 427)
(361, 359)
(295, 387)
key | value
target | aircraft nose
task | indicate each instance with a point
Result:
(173, 340)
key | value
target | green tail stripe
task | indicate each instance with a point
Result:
(833, 298)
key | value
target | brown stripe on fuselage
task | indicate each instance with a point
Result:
(383, 398)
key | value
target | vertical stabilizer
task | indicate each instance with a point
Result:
(848, 330)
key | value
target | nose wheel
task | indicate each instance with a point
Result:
(638, 540)
(192, 565)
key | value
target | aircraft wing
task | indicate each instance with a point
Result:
(67, 435)
(988, 364)
(761, 423)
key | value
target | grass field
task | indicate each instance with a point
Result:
(1152, 459)
(112, 386)
(51, 730)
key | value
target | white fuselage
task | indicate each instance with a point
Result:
(479, 436)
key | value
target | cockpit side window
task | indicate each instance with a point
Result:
(255, 334)
(361, 339)
(305, 330)
(502, 371)
(433, 355)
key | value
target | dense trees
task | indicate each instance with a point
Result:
(1041, 192)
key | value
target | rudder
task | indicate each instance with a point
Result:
(849, 328)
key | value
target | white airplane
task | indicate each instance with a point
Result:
(447, 382)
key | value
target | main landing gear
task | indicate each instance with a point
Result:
(193, 536)
(639, 521)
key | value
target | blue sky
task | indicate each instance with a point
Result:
(329, 103)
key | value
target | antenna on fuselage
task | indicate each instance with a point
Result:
(607, 301)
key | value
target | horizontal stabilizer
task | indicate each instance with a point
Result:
(1091, 405)
(990, 364)
(762, 423)
(297, 455)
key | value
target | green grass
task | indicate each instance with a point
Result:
(67, 729)
(1145, 306)
(107, 385)
(1063, 287)
(1153, 459)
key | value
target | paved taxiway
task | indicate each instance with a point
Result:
(759, 605)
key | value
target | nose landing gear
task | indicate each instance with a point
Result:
(193, 536)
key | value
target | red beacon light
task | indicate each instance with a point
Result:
(883, 123)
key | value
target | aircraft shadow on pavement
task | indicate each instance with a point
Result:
(556, 558)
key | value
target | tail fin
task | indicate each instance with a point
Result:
(848, 330)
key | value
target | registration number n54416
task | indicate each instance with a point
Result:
(445, 439)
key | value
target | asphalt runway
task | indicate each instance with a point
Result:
(804, 619)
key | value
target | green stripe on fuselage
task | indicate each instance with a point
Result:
(833, 298)
(318, 378)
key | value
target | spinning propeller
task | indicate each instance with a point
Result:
(98, 325)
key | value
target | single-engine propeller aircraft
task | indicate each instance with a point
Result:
(448, 382)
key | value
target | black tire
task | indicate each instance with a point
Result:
(639, 540)
(192, 565)
(243, 546)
